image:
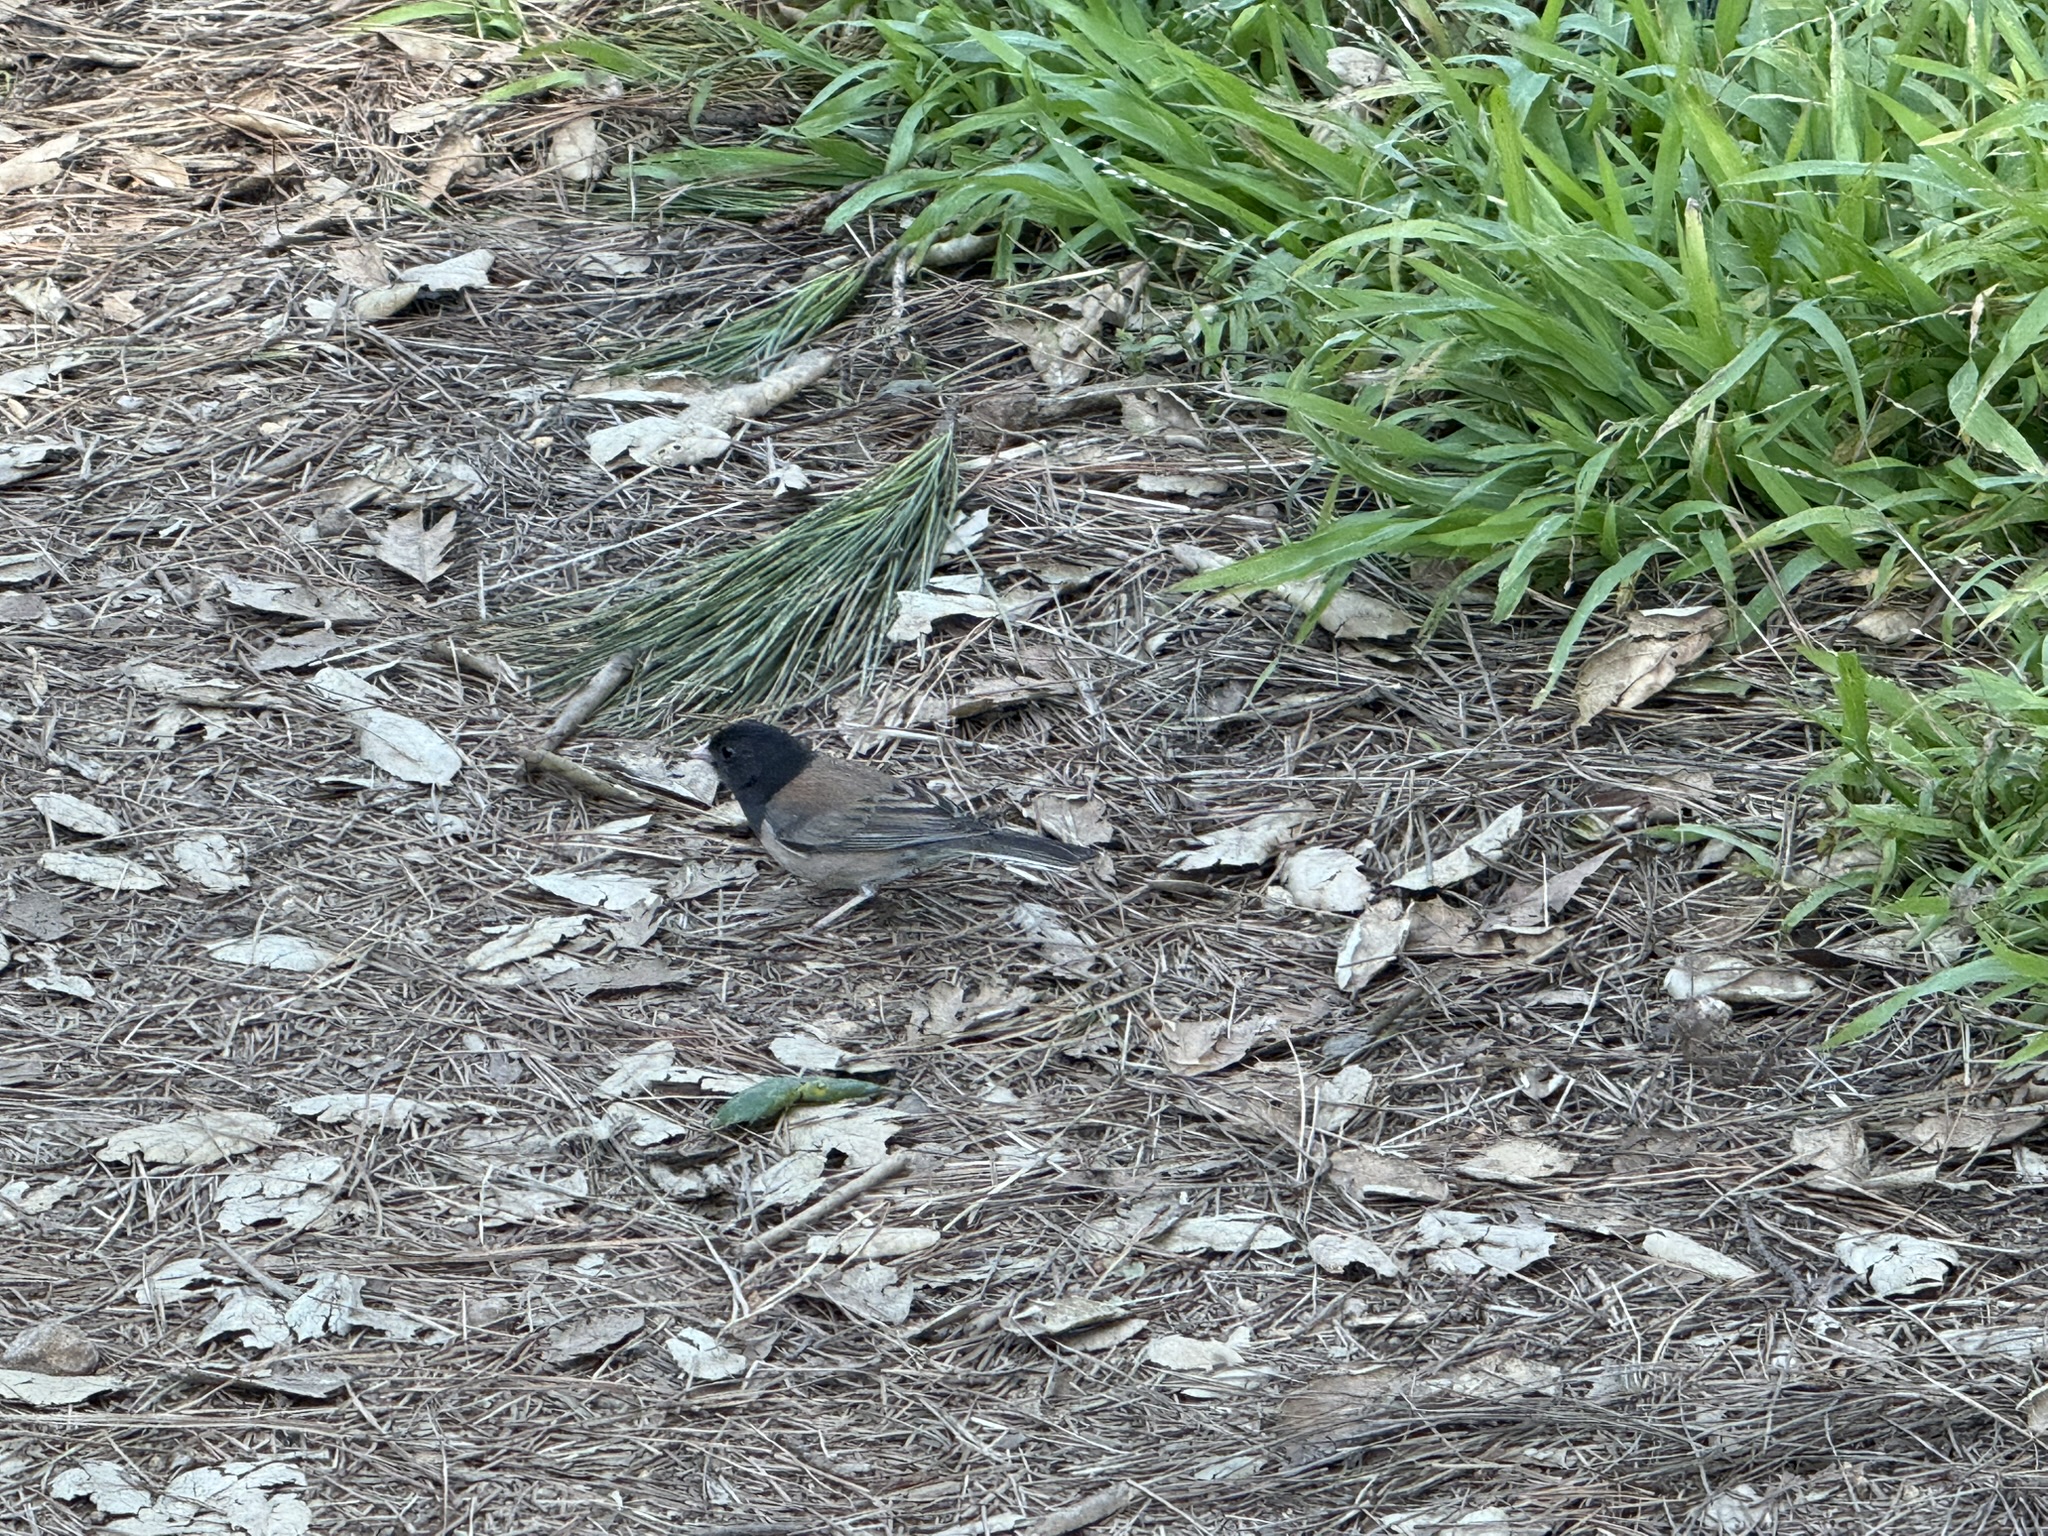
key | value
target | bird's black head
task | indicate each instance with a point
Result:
(754, 760)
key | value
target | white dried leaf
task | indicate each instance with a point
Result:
(874, 1243)
(917, 612)
(1247, 843)
(700, 1357)
(1893, 1264)
(1065, 951)
(346, 689)
(1888, 626)
(1372, 943)
(42, 298)
(524, 942)
(410, 547)
(55, 980)
(614, 263)
(647, 1066)
(860, 1132)
(76, 814)
(592, 1335)
(805, 1053)
(2030, 1166)
(1643, 663)
(184, 688)
(1243, 1233)
(1359, 1171)
(425, 116)
(1520, 1160)
(179, 1280)
(1348, 615)
(333, 1304)
(250, 1318)
(576, 150)
(210, 862)
(405, 748)
(108, 871)
(1076, 820)
(293, 601)
(1530, 905)
(1968, 1132)
(1320, 880)
(607, 893)
(1178, 1352)
(472, 269)
(1462, 1243)
(1175, 483)
(192, 1140)
(298, 1189)
(19, 570)
(1495, 1378)
(272, 952)
(1676, 1248)
(19, 1198)
(1477, 854)
(1358, 68)
(869, 1291)
(704, 430)
(791, 1180)
(1338, 1251)
(1196, 1046)
(38, 164)
(236, 1498)
(380, 1111)
(41, 1391)
(501, 1204)
(157, 170)
(1734, 978)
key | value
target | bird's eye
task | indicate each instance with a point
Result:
(726, 753)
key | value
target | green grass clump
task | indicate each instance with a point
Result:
(757, 628)
(1950, 790)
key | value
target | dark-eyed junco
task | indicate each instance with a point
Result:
(849, 828)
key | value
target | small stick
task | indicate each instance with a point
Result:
(495, 668)
(589, 699)
(580, 778)
(845, 1195)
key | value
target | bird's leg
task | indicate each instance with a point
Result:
(843, 908)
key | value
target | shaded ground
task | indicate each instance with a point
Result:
(1057, 1141)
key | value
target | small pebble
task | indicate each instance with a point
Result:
(54, 1349)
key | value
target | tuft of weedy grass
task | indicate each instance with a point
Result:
(796, 614)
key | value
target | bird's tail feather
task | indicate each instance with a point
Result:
(1028, 848)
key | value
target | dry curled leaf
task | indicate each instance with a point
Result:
(1644, 662)
(411, 548)
(576, 150)
(1247, 843)
(1734, 978)
(704, 430)
(1372, 943)
(1477, 854)
(1892, 1264)
(1320, 880)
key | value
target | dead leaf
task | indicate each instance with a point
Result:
(614, 263)
(1838, 1154)
(41, 1391)
(1178, 1352)
(1888, 626)
(472, 269)
(524, 941)
(17, 382)
(52, 1349)
(1461, 1243)
(1677, 1249)
(1358, 1172)
(1320, 880)
(1893, 1264)
(1158, 413)
(411, 548)
(1530, 905)
(1065, 951)
(380, 1111)
(192, 1140)
(1734, 978)
(1244, 1233)
(457, 156)
(1076, 820)
(107, 871)
(290, 599)
(38, 165)
(1193, 1047)
(576, 150)
(1348, 615)
(604, 892)
(1336, 1252)
(298, 1190)
(704, 430)
(42, 298)
(1520, 1160)
(272, 952)
(702, 1358)
(1643, 663)
(1247, 843)
(78, 815)
(1477, 854)
(874, 1243)
(1437, 927)
(591, 1335)
(210, 862)
(1967, 1132)
(424, 116)
(1372, 943)
(153, 170)
(869, 1291)
(917, 612)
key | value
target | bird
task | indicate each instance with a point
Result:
(842, 826)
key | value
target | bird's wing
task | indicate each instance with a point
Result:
(846, 808)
